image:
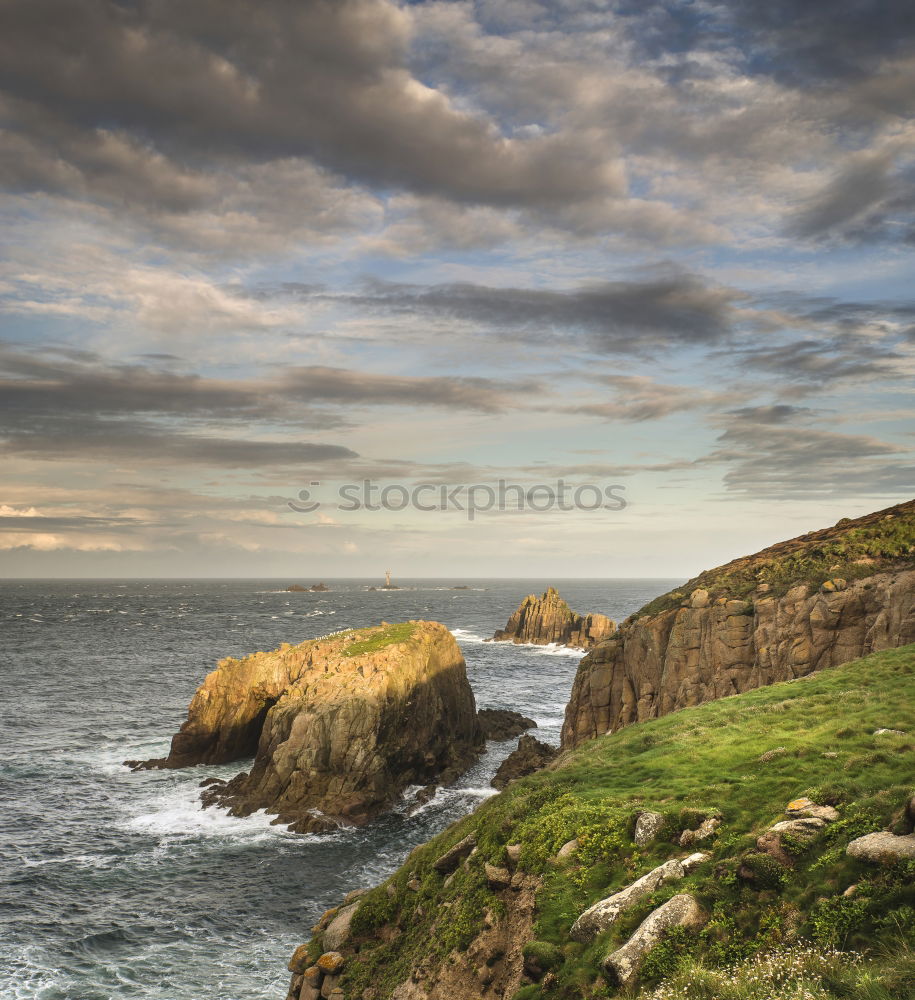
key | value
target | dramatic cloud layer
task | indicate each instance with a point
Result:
(246, 254)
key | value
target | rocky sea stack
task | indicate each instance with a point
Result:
(338, 726)
(815, 601)
(548, 619)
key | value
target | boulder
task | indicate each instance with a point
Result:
(529, 756)
(497, 878)
(799, 808)
(601, 915)
(512, 854)
(548, 619)
(805, 828)
(299, 960)
(339, 726)
(449, 861)
(500, 724)
(331, 963)
(566, 851)
(338, 931)
(622, 966)
(706, 830)
(647, 827)
(882, 848)
(771, 843)
(679, 656)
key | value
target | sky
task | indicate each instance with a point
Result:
(647, 265)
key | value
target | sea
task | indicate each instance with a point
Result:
(116, 884)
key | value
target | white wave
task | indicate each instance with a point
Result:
(72, 861)
(464, 635)
(554, 649)
(176, 814)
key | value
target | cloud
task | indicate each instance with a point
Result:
(775, 460)
(641, 398)
(821, 362)
(622, 315)
(327, 80)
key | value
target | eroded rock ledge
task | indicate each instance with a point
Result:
(548, 619)
(339, 726)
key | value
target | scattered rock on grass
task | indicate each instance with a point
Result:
(602, 914)
(622, 966)
(882, 848)
(647, 827)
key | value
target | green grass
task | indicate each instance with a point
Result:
(884, 540)
(383, 635)
(693, 763)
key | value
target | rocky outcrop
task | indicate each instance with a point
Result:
(340, 725)
(529, 756)
(548, 619)
(501, 724)
(711, 645)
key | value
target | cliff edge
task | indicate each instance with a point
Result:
(338, 726)
(815, 601)
(548, 619)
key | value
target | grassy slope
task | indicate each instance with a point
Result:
(692, 763)
(850, 549)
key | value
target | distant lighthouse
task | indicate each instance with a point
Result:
(387, 578)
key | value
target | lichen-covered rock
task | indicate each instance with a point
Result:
(341, 725)
(882, 848)
(529, 756)
(299, 960)
(338, 931)
(601, 915)
(622, 966)
(547, 619)
(799, 808)
(705, 831)
(647, 827)
(331, 963)
(692, 651)
(804, 828)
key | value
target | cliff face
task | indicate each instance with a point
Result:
(339, 725)
(720, 640)
(547, 619)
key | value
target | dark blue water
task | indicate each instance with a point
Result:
(116, 884)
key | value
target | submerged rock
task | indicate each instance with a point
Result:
(547, 619)
(340, 725)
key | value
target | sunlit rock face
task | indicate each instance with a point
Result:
(338, 726)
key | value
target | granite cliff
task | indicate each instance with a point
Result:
(547, 619)
(338, 726)
(815, 601)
